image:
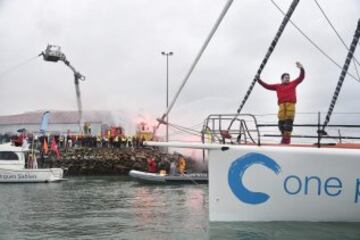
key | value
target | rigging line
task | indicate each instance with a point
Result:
(191, 128)
(183, 134)
(187, 76)
(314, 44)
(192, 131)
(342, 75)
(355, 61)
(195, 125)
(15, 67)
(187, 131)
(333, 27)
(177, 131)
(184, 129)
(356, 69)
(273, 44)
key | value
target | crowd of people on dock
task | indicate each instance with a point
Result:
(71, 141)
(53, 146)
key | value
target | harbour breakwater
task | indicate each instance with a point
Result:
(108, 161)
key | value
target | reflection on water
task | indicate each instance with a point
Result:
(170, 211)
(118, 208)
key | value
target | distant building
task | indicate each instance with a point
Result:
(60, 122)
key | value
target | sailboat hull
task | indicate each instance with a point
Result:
(31, 175)
(158, 178)
(252, 183)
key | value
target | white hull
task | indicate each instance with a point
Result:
(158, 178)
(12, 168)
(278, 183)
(284, 184)
(31, 175)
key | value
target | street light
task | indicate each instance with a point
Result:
(167, 54)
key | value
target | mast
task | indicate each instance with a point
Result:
(187, 76)
(267, 56)
(348, 59)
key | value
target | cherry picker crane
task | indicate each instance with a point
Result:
(53, 53)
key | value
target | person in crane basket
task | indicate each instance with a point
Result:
(286, 94)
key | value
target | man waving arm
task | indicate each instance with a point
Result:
(301, 77)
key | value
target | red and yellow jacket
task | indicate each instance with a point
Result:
(286, 92)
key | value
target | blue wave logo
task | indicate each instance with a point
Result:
(237, 170)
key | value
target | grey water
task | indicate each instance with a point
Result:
(116, 207)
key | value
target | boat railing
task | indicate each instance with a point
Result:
(319, 136)
(245, 129)
(231, 128)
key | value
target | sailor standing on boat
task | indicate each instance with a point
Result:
(286, 93)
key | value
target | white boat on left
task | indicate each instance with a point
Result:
(14, 168)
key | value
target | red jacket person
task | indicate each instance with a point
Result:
(286, 94)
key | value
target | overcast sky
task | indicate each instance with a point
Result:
(117, 45)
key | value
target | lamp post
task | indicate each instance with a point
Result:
(167, 54)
